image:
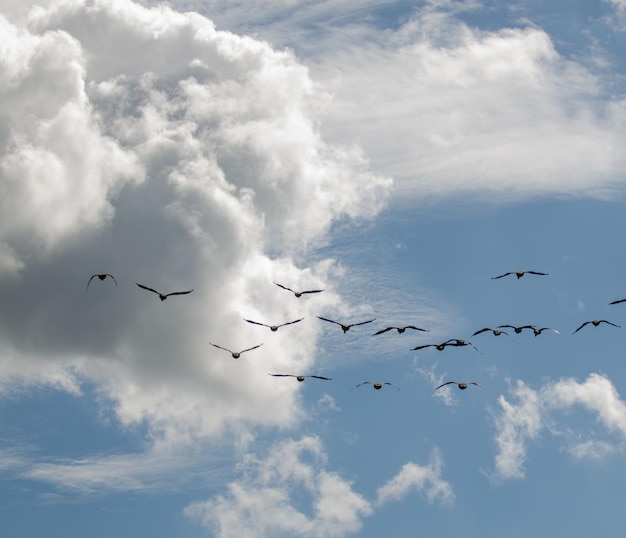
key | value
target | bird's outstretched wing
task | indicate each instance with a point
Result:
(536, 273)
(586, 323)
(446, 383)
(320, 377)
(482, 331)
(178, 293)
(424, 346)
(605, 321)
(362, 322)
(311, 291)
(284, 287)
(329, 320)
(618, 301)
(256, 322)
(220, 347)
(147, 288)
(92, 277)
(250, 348)
(384, 331)
(290, 322)
(500, 276)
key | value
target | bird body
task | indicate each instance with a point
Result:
(298, 294)
(163, 296)
(346, 328)
(400, 329)
(519, 274)
(101, 276)
(595, 323)
(301, 378)
(273, 328)
(235, 354)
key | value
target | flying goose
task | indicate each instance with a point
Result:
(163, 296)
(101, 276)
(301, 378)
(595, 323)
(519, 274)
(400, 329)
(297, 293)
(376, 384)
(346, 328)
(461, 384)
(274, 328)
(235, 354)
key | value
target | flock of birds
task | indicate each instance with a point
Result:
(452, 342)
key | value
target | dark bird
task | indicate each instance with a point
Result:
(618, 301)
(346, 328)
(400, 329)
(461, 384)
(301, 378)
(595, 323)
(376, 384)
(539, 330)
(101, 276)
(496, 332)
(438, 347)
(519, 274)
(274, 328)
(163, 296)
(235, 354)
(297, 293)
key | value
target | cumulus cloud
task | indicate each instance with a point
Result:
(535, 410)
(194, 162)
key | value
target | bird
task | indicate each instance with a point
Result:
(298, 294)
(101, 276)
(496, 332)
(438, 347)
(301, 378)
(539, 330)
(519, 274)
(461, 384)
(235, 354)
(346, 328)
(595, 323)
(274, 328)
(163, 296)
(376, 384)
(400, 329)
(618, 301)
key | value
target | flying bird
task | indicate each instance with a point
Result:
(376, 384)
(101, 276)
(519, 274)
(618, 301)
(346, 328)
(461, 384)
(163, 296)
(496, 332)
(595, 323)
(400, 329)
(301, 378)
(274, 328)
(539, 330)
(235, 354)
(297, 293)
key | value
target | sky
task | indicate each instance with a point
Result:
(398, 156)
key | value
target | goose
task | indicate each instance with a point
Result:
(101, 276)
(163, 296)
(519, 274)
(298, 294)
(301, 378)
(376, 384)
(461, 384)
(400, 329)
(496, 332)
(595, 323)
(274, 328)
(235, 354)
(539, 330)
(346, 328)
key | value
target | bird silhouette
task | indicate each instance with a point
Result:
(376, 384)
(496, 332)
(539, 330)
(595, 323)
(301, 378)
(101, 276)
(519, 274)
(346, 328)
(400, 329)
(297, 293)
(163, 296)
(235, 354)
(274, 328)
(461, 384)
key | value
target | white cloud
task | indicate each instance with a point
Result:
(194, 162)
(421, 478)
(535, 410)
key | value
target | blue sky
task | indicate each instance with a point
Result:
(397, 155)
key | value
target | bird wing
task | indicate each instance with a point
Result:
(329, 320)
(250, 348)
(444, 384)
(284, 287)
(321, 377)
(549, 329)
(282, 375)
(605, 321)
(416, 328)
(92, 277)
(362, 322)
(311, 291)
(536, 273)
(364, 383)
(482, 331)
(290, 322)
(147, 288)
(391, 385)
(384, 331)
(500, 276)
(586, 322)
(424, 346)
(477, 384)
(220, 347)
(256, 322)
(179, 293)
(618, 301)
(109, 274)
